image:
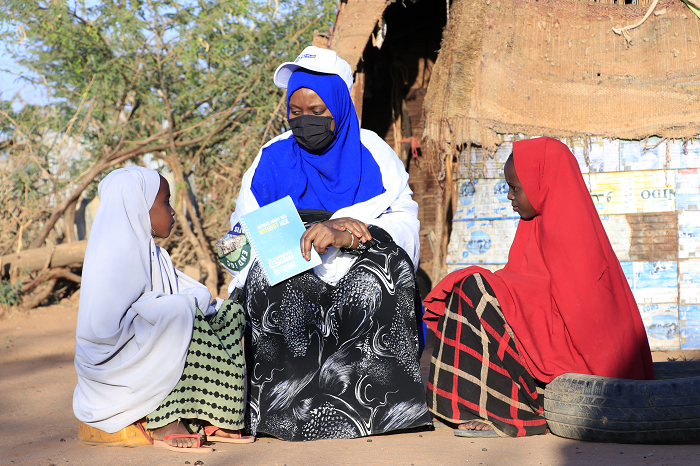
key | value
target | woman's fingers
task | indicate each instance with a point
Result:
(321, 242)
(326, 237)
(319, 237)
(358, 228)
(306, 241)
(333, 233)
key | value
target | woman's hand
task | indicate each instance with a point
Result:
(333, 233)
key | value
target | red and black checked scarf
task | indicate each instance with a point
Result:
(476, 370)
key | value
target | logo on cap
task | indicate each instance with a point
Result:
(306, 55)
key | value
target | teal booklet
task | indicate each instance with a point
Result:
(275, 232)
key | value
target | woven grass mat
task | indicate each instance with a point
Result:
(556, 68)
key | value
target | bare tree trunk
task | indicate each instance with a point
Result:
(70, 199)
(196, 235)
(32, 260)
(69, 223)
(50, 274)
(41, 293)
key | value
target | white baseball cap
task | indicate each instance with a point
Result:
(315, 59)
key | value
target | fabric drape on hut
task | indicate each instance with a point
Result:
(355, 22)
(447, 101)
(556, 68)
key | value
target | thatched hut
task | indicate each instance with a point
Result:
(556, 68)
(627, 101)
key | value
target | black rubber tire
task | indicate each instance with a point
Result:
(604, 409)
(676, 369)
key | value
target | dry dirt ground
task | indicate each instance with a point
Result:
(38, 427)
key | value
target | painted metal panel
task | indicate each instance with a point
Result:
(690, 326)
(685, 153)
(492, 267)
(644, 155)
(604, 155)
(654, 236)
(580, 152)
(688, 234)
(599, 155)
(488, 166)
(689, 281)
(643, 237)
(688, 189)
(483, 199)
(655, 154)
(633, 192)
(636, 186)
(662, 325)
(690, 154)
(652, 282)
(619, 234)
(481, 242)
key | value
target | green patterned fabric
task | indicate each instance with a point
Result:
(211, 386)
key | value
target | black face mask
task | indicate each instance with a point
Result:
(313, 132)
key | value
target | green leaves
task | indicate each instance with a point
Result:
(119, 74)
(10, 293)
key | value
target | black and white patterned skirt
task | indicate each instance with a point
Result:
(335, 361)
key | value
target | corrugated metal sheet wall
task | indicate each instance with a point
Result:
(648, 196)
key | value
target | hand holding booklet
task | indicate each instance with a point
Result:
(275, 232)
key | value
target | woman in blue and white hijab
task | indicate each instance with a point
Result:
(333, 352)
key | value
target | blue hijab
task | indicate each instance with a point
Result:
(344, 174)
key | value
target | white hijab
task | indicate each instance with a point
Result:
(136, 310)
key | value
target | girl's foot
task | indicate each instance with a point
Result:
(177, 428)
(474, 425)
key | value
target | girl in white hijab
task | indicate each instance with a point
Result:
(150, 342)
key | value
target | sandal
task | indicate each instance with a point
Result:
(198, 449)
(133, 435)
(476, 433)
(209, 431)
(473, 433)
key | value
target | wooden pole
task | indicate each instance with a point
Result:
(358, 94)
(443, 221)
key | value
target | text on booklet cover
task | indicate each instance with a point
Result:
(275, 232)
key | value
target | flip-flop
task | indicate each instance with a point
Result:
(437, 424)
(476, 433)
(198, 449)
(209, 431)
(143, 430)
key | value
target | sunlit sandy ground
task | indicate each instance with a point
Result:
(38, 427)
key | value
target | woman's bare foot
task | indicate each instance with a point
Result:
(177, 428)
(474, 425)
